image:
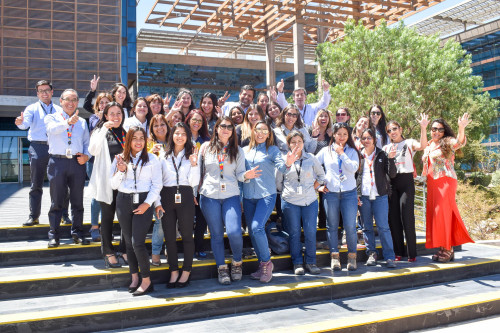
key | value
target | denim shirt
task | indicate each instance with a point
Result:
(268, 161)
(350, 163)
(34, 115)
(281, 132)
(233, 172)
(288, 181)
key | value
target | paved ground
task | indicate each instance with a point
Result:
(14, 205)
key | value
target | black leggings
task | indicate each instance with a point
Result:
(134, 230)
(107, 219)
(184, 213)
(402, 215)
(199, 229)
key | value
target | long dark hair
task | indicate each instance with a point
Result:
(350, 141)
(448, 134)
(215, 146)
(127, 148)
(101, 121)
(281, 119)
(156, 119)
(188, 146)
(186, 91)
(371, 132)
(214, 103)
(381, 123)
(155, 97)
(203, 131)
(149, 115)
(127, 102)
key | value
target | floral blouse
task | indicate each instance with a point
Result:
(436, 165)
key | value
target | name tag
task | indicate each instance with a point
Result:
(223, 187)
(343, 178)
(177, 198)
(299, 189)
(68, 153)
(135, 198)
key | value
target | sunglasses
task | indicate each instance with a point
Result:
(376, 113)
(435, 129)
(198, 121)
(226, 127)
(293, 115)
(341, 114)
(366, 138)
(389, 130)
(261, 131)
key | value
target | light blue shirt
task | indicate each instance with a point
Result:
(331, 160)
(34, 115)
(57, 131)
(268, 161)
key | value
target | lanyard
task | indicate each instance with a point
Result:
(370, 166)
(134, 168)
(299, 170)
(221, 158)
(340, 161)
(304, 114)
(68, 131)
(120, 140)
(177, 168)
(51, 108)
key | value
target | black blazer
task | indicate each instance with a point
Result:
(384, 169)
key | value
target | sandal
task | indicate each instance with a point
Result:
(446, 256)
(435, 257)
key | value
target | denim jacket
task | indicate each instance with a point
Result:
(331, 160)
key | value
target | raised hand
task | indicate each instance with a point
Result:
(325, 85)
(73, 119)
(222, 100)
(464, 121)
(253, 173)
(109, 124)
(315, 130)
(20, 119)
(120, 164)
(177, 106)
(273, 93)
(193, 158)
(393, 151)
(167, 100)
(94, 82)
(280, 86)
(292, 156)
(219, 111)
(339, 149)
(424, 120)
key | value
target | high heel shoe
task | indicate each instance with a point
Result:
(133, 289)
(446, 256)
(148, 290)
(120, 255)
(108, 264)
(171, 285)
(435, 257)
(179, 284)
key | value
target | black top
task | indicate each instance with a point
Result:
(114, 145)
(384, 169)
(87, 103)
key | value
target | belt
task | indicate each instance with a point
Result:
(63, 156)
(40, 142)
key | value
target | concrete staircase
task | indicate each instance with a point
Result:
(68, 289)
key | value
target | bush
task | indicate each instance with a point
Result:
(495, 179)
(460, 174)
(479, 178)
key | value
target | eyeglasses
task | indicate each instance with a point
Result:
(366, 138)
(198, 121)
(436, 129)
(293, 115)
(226, 127)
(341, 114)
(44, 91)
(375, 113)
(71, 100)
(261, 131)
(389, 130)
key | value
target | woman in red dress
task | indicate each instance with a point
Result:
(444, 225)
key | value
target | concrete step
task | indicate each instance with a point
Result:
(395, 311)
(117, 309)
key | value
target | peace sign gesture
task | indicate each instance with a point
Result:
(94, 82)
(193, 158)
(253, 173)
(292, 156)
(223, 99)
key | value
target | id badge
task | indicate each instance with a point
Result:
(343, 178)
(68, 153)
(223, 187)
(372, 195)
(299, 189)
(177, 198)
(135, 198)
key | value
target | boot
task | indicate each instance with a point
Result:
(335, 262)
(351, 262)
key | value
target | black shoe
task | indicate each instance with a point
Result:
(120, 255)
(66, 220)
(133, 289)
(171, 285)
(53, 243)
(148, 290)
(109, 264)
(80, 240)
(31, 222)
(179, 284)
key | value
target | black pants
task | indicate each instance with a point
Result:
(321, 212)
(183, 213)
(107, 219)
(65, 173)
(402, 215)
(200, 228)
(134, 230)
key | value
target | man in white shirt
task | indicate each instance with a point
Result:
(307, 111)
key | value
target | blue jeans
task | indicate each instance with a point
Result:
(220, 213)
(257, 212)
(378, 208)
(293, 214)
(347, 204)
(95, 207)
(157, 236)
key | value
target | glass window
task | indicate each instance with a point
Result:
(38, 24)
(36, 73)
(60, 36)
(110, 39)
(16, 91)
(63, 75)
(14, 22)
(109, 19)
(39, 14)
(109, 29)
(87, 56)
(62, 64)
(68, 6)
(86, 8)
(65, 55)
(108, 67)
(9, 159)
(39, 63)
(111, 48)
(108, 57)
(87, 37)
(14, 12)
(14, 72)
(86, 17)
(14, 61)
(87, 27)
(15, 3)
(110, 2)
(39, 53)
(14, 52)
(15, 83)
(39, 44)
(67, 26)
(14, 42)
(39, 4)
(64, 16)
(86, 66)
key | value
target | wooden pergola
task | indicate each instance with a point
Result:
(294, 22)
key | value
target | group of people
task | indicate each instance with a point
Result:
(196, 167)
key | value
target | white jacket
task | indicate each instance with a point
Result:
(100, 184)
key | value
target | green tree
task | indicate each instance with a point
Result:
(406, 73)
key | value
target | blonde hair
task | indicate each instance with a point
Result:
(330, 117)
(246, 126)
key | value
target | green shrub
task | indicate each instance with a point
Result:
(479, 178)
(460, 174)
(495, 179)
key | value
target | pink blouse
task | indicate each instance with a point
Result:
(436, 165)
